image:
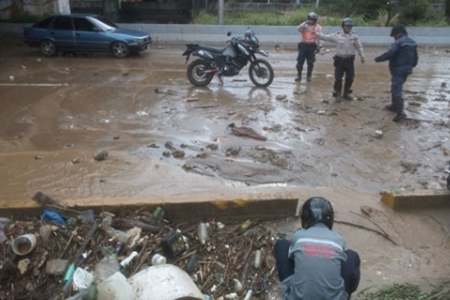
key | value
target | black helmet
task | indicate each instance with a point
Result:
(315, 210)
(312, 16)
(398, 29)
(347, 22)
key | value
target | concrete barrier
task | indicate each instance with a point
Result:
(422, 199)
(268, 35)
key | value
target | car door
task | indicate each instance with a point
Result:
(88, 36)
(61, 31)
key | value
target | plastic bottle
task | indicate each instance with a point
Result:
(158, 259)
(106, 267)
(3, 224)
(127, 260)
(107, 221)
(158, 214)
(115, 287)
(249, 294)
(53, 216)
(69, 273)
(237, 285)
(202, 233)
(231, 296)
(92, 292)
(257, 263)
(112, 232)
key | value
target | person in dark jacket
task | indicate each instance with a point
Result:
(315, 263)
(403, 57)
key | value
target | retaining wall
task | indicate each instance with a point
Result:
(268, 35)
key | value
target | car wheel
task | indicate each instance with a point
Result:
(120, 49)
(48, 48)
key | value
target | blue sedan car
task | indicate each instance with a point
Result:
(84, 33)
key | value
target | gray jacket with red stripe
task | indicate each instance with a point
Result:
(318, 253)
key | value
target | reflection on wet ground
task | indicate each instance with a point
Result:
(64, 108)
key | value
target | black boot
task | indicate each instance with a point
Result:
(399, 116)
(299, 73)
(309, 74)
(399, 108)
(390, 107)
(347, 90)
(348, 94)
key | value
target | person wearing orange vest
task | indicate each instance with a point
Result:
(309, 45)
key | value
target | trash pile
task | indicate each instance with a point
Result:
(71, 254)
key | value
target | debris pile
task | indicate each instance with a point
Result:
(73, 252)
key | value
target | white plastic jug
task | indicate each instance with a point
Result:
(164, 282)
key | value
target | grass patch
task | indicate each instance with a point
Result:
(26, 18)
(409, 292)
(296, 16)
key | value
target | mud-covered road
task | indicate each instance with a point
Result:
(57, 113)
(165, 137)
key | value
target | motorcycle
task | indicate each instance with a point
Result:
(229, 61)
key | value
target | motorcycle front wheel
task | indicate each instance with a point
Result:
(261, 73)
(199, 72)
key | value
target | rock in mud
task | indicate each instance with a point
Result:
(178, 153)
(102, 155)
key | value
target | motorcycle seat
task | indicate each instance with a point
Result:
(211, 49)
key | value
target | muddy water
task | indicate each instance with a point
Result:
(58, 112)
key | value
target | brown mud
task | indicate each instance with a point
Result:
(164, 137)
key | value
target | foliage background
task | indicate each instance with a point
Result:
(429, 13)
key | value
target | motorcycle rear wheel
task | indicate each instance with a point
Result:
(261, 73)
(198, 72)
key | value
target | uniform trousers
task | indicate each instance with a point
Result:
(306, 52)
(344, 65)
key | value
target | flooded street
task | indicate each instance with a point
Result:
(57, 113)
(165, 137)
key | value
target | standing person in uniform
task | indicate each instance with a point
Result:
(346, 42)
(403, 57)
(308, 47)
(315, 265)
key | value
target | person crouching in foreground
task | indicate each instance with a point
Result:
(315, 264)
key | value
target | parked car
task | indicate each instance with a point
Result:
(84, 33)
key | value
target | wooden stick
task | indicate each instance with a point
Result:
(77, 260)
(369, 229)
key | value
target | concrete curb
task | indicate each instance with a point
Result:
(254, 202)
(193, 206)
(268, 35)
(417, 200)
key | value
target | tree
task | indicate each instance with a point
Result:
(447, 10)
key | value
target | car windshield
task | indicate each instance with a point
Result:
(103, 24)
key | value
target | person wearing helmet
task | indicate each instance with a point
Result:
(347, 41)
(308, 47)
(403, 57)
(315, 264)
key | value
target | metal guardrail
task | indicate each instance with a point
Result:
(268, 35)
